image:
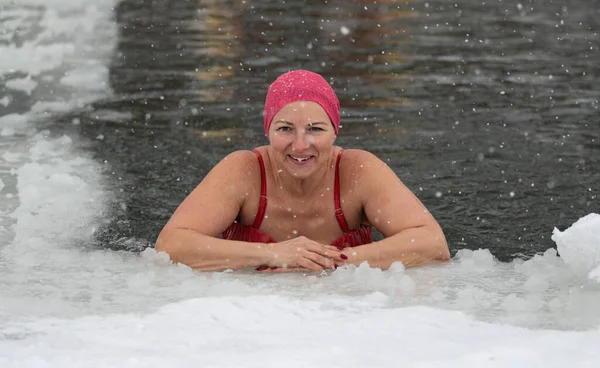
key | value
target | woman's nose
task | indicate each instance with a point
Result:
(300, 142)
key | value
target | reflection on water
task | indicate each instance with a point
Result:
(488, 111)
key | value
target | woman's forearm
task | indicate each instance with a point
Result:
(207, 253)
(412, 247)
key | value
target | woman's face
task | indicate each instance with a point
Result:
(303, 135)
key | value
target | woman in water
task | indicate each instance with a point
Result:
(301, 203)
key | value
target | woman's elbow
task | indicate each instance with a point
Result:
(440, 251)
(166, 242)
(177, 244)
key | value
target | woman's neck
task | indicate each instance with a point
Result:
(287, 184)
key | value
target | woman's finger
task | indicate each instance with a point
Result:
(336, 255)
(322, 261)
(328, 251)
(308, 263)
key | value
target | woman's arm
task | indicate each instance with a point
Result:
(412, 247)
(190, 236)
(412, 235)
(209, 253)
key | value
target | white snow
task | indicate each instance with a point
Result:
(579, 246)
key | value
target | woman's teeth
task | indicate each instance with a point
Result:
(300, 159)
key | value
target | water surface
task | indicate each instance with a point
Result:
(488, 111)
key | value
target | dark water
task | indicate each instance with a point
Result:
(487, 110)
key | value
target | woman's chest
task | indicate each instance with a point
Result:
(287, 219)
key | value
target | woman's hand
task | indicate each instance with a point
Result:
(302, 253)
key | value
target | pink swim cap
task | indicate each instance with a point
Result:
(301, 85)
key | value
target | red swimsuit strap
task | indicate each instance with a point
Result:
(262, 205)
(339, 214)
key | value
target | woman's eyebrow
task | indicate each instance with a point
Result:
(290, 123)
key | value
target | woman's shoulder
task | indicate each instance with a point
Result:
(240, 164)
(357, 153)
(357, 160)
(240, 157)
(363, 169)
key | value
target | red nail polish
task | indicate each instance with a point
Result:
(274, 268)
(335, 265)
(261, 268)
(343, 256)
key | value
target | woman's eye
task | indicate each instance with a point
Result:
(283, 129)
(315, 129)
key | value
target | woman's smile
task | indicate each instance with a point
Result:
(300, 160)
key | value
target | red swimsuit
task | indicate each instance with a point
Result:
(351, 238)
